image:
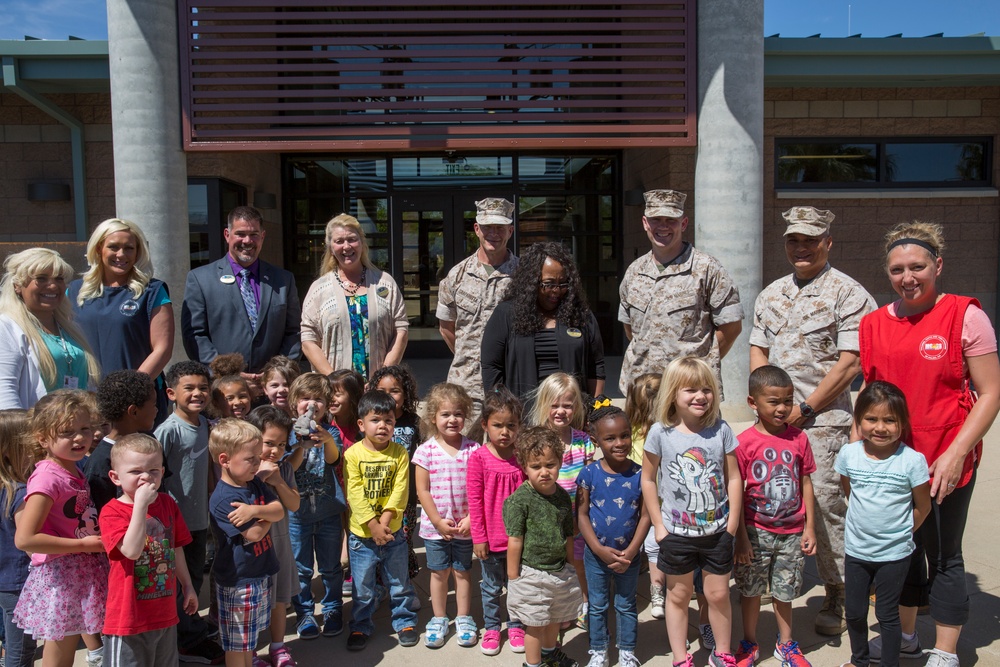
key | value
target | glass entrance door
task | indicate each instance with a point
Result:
(435, 232)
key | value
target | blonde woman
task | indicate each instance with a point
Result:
(353, 315)
(41, 347)
(124, 312)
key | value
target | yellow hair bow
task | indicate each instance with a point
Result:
(602, 404)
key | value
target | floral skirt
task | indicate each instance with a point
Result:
(63, 597)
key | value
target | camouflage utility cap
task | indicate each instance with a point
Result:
(664, 204)
(807, 220)
(494, 211)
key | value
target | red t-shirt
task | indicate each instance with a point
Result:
(772, 467)
(142, 593)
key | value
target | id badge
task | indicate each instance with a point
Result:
(71, 382)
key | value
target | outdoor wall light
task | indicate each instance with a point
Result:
(49, 192)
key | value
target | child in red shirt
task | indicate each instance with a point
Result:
(144, 535)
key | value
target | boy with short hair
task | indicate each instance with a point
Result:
(275, 426)
(242, 509)
(377, 473)
(184, 437)
(127, 400)
(776, 529)
(144, 535)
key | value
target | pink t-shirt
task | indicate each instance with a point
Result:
(978, 337)
(72, 514)
(772, 467)
(490, 481)
(448, 483)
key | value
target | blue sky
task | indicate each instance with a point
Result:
(57, 19)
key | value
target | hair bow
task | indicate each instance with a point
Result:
(602, 404)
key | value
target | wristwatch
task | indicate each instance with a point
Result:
(806, 410)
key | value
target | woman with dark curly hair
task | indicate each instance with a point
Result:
(542, 326)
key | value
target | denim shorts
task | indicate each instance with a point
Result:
(445, 554)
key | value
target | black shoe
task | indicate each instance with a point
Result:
(205, 652)
(333, 623)
(409, 636)
(558, 659)
(357, 641)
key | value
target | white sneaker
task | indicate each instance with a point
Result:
(598, 659)
(628, 659)
(908, 648)
(657, 599)
(435, 632)
(938, 658)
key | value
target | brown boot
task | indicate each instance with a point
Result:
(830, 619)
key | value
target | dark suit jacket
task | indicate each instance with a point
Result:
(214, 320)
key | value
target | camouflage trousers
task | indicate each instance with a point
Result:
(777, 560)
(831, 504)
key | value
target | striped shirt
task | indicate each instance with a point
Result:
(448, 483)
(578, 454)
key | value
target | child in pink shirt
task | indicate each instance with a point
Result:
(494, 474)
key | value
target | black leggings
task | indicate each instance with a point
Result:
(859, 575)
(937, 567)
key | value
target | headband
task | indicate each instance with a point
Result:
(907, 241)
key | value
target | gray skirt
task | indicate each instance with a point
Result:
(539, 597)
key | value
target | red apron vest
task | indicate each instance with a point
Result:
(922, 355)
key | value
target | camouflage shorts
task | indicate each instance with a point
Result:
(778, 559)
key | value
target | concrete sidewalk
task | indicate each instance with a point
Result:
(980, 643)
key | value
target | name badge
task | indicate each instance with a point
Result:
(71, 382)
(227, 279)
(382, 291)
(573, 332)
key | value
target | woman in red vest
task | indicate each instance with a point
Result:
(932, 345)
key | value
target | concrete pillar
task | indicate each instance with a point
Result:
(729, 176)
(150, 167)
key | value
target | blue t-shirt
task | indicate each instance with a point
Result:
(615, 502)
(236, 560)
(322, 495)
(879, 526)
(692, 489)
(13, 562)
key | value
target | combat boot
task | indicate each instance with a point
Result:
(830, 619)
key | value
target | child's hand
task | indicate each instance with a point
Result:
(744, 552)
(465, 527)
(267, 471)
(145, 494)
(481, 549)
(91, 544)
(243, 514)
(809, 542)
(446, 528)
(660, 533)
(190, 601)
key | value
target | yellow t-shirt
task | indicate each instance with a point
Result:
(638, 440)
(376, 482)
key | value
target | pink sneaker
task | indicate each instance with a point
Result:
(282, 657)
(516, 638)
(259, 661)
(491, 642)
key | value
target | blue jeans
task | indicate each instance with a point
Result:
(392, 560)
(492, 583)
(599, 578)
(19, 647)
(323, 539)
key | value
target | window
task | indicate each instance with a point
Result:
(940, 162)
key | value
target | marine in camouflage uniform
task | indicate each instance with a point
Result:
(471, 291)
(675, 300)
(807, 324)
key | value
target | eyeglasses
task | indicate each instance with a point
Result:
(553, 287)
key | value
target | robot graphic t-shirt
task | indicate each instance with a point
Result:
(772, 467)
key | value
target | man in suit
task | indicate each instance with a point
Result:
(240, 303)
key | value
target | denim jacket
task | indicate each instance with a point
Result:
(322, 496)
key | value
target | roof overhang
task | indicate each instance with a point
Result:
(886, 62)
(51, 66)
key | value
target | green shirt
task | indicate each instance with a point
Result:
(545, 523)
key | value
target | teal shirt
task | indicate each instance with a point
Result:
(69, 358)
